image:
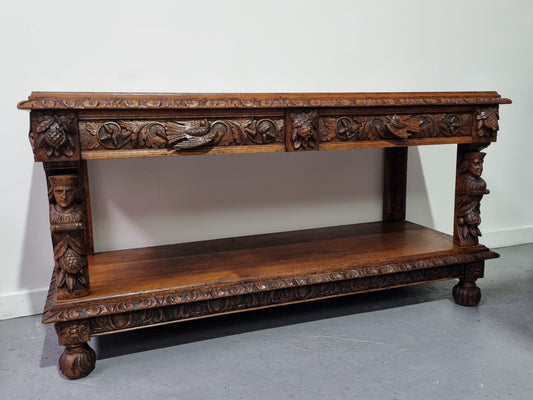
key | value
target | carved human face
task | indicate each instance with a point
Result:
(476, 167)
(64, 196)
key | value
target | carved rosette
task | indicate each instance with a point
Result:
(302, 131)
(68, 223)
(361, 128)
(180, 134)
(54, 135)
(469, 190)
(487, 122)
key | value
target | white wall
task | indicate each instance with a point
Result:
(247, 46)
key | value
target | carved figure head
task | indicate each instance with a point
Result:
(472, 164)
(63, 190)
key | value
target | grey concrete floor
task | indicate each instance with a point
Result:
(409, 343)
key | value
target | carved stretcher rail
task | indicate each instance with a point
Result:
(93, 294)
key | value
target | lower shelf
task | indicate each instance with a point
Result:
(191, 280)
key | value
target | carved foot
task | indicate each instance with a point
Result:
(77, 361)
(466, 293)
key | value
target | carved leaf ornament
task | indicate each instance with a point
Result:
(181, 135)
(53, 132)
(70, 259)
(348, 128)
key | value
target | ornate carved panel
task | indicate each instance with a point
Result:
(469, 191)
(487, 122)
(302, 131)
(179, 134)
(54, 135)
(68, 224)
(383, 127)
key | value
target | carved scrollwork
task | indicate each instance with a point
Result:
(121, 134)
(487, 122)
(304, 134)
(53, 135)
(180, 134)
(470, 188)
(360, 128)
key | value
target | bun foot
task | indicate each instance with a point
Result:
(466, 293)
(77, 361)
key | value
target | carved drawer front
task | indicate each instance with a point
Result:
(345, 128)
(180, 134)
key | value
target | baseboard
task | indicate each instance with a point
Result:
(22, 303)
(512, 237)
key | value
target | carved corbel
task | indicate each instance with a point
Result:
(302, 131)
(68, 225)
(469, 190)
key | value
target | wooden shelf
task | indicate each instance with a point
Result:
(227, 267)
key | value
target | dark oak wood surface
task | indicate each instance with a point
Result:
(94, 294)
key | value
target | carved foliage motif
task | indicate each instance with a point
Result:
(77, 361)
(180, 135)
(303, 131)
(117, 102)
(470, 188)
(487, 122)
(53, 135)
(159, 315)
(346, 128)
(226, 291)
(68, 224)
(71, 261)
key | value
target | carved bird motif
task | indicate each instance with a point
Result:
(403, 128)
(193, 136)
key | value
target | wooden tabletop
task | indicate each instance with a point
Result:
(85, 100)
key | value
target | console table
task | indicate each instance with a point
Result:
(98, 293)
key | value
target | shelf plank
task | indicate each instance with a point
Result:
(171, 274)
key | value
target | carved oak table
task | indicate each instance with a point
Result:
(98, 293)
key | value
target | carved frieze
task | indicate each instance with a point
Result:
(54, 135)
(383, 127)
(179, 134)
(470, 188)
(304, 133)
(128, 320)
(221, 293)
